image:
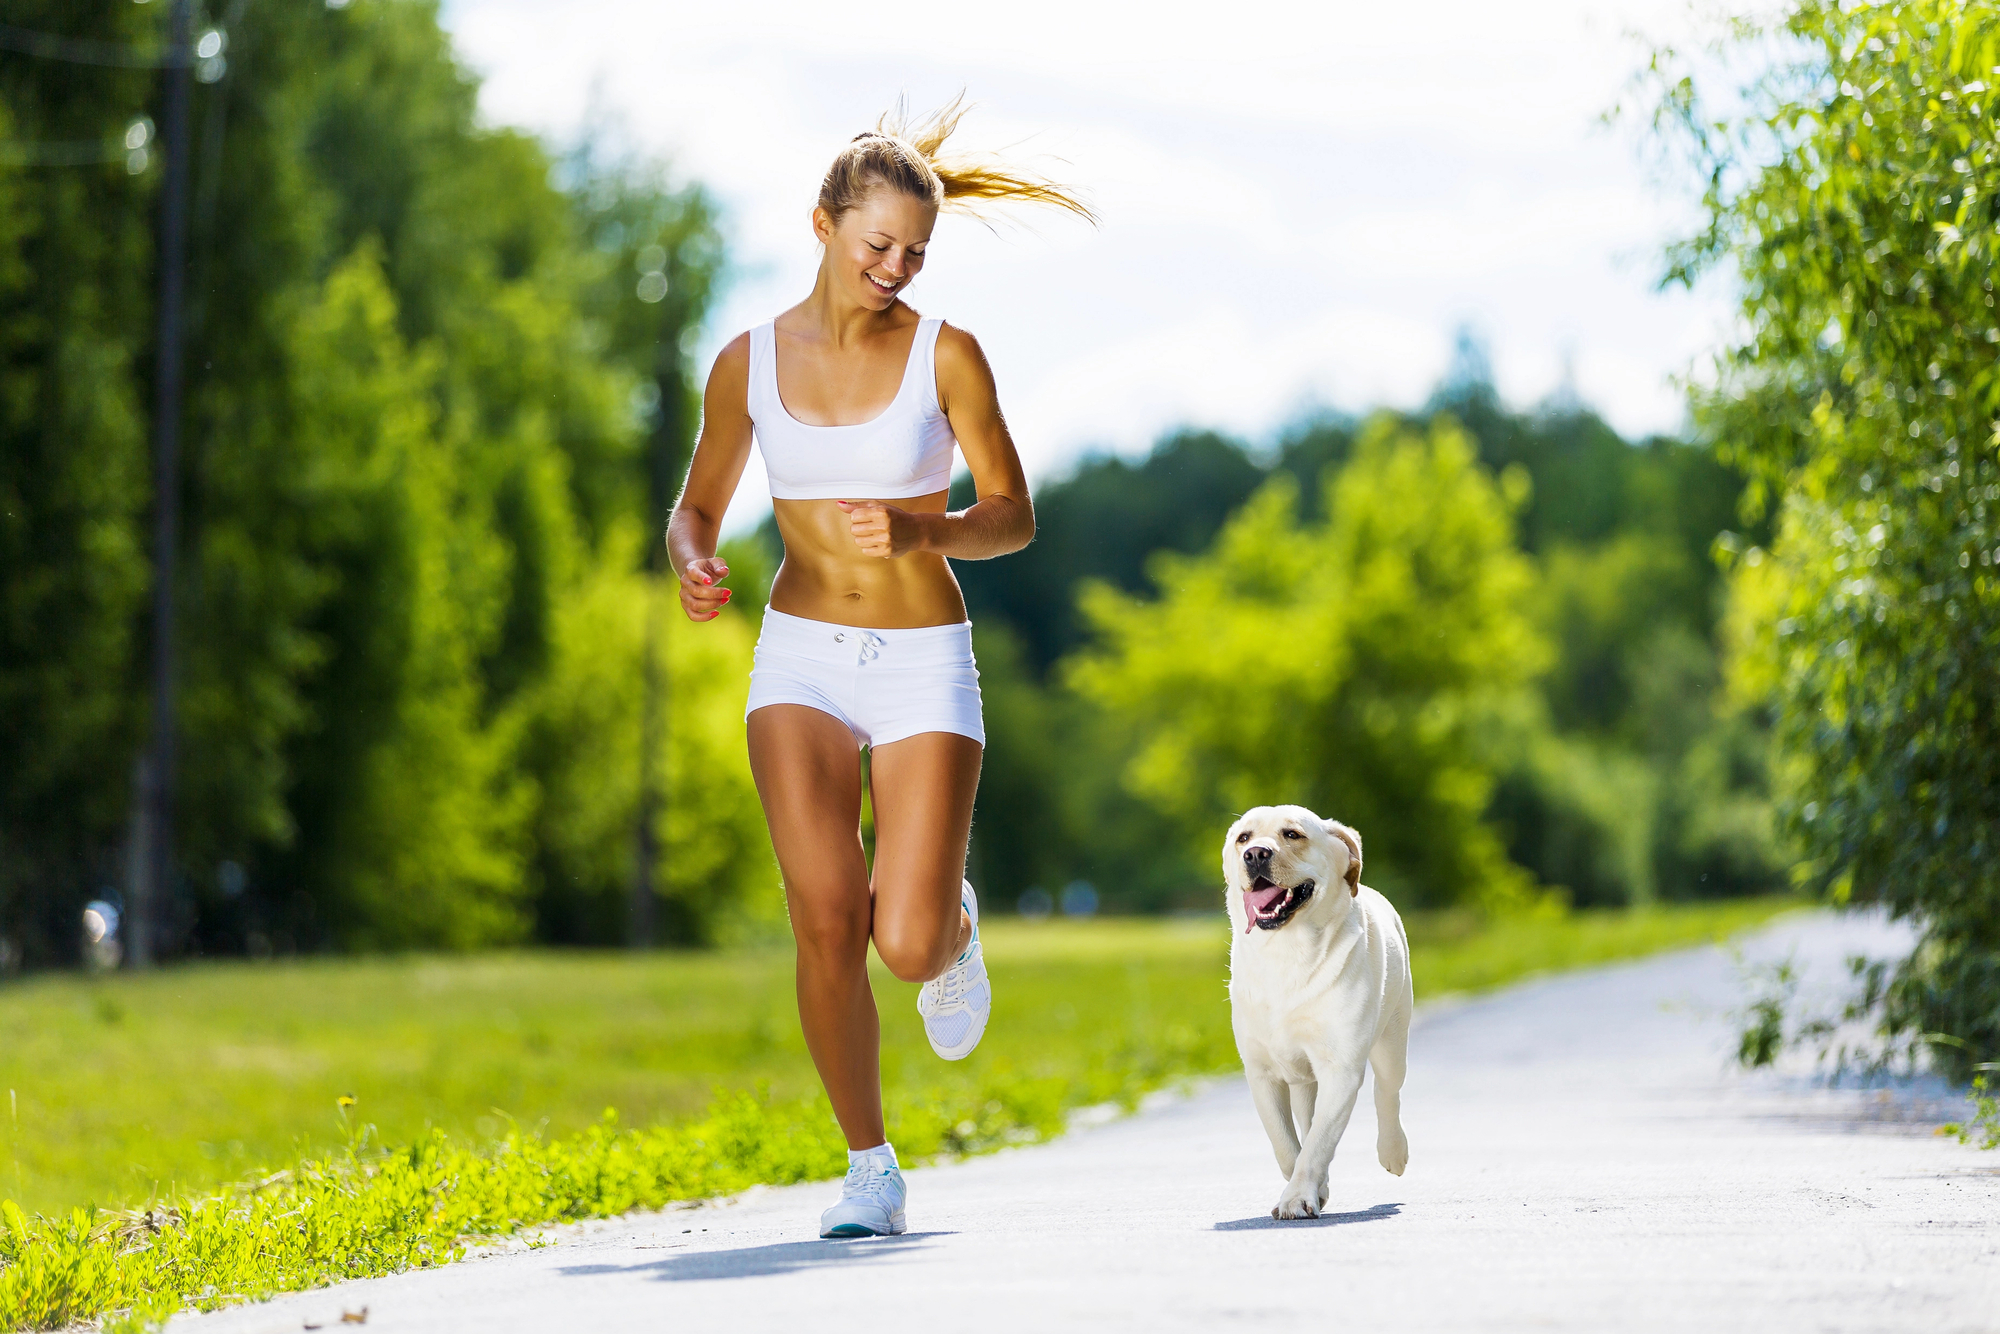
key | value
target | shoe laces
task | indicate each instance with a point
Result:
(866, 1179)
(950, 985)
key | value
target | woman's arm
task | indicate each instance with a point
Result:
(1003, 520)
(719, 455)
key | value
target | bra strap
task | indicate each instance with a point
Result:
(762, 391)
(927, 337)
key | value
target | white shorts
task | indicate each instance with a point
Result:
(884, 684)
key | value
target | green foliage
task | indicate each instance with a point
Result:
(1985, 1123)
(431, 400)
(1761, 1037)
(579, 734)
(1347, 666)
(1852, 193)
(1102, 1013)
(1627, 773)
(1104, 522)
(422, 823)
(75, 269)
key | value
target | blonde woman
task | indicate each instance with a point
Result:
(857, 402)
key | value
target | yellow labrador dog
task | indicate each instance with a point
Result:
(1319, 988)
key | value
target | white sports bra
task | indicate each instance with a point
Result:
(902, 453)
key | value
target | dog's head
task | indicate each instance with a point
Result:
(1276, 859)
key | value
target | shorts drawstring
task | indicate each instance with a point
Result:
(924, 678)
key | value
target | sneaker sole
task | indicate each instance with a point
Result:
(847, 1231)
(971, 1044)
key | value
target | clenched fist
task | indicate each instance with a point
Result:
(882, 530)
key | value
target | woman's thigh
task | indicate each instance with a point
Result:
(922, 788)
(808, 774)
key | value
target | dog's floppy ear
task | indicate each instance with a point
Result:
(1352, 838)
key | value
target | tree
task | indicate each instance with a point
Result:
(1853, 189)
(1350, 666)
(76, 265)
(432, 394)
(1103, 521)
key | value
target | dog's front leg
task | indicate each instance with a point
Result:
(1304, 1193)
(1274, 1108)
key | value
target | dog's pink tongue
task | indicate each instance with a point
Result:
(1259, 900)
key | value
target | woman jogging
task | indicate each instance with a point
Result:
(857, 402)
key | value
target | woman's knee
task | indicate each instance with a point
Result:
(915, 951)
(830, 927)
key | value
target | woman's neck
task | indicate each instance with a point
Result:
(842, 322)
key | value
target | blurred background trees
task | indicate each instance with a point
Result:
(436, 694)
(1855, 196)
(438, 387)
(1487, 638)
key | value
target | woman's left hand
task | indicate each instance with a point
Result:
(882, 530)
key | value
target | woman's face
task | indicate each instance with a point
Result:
(877, 249)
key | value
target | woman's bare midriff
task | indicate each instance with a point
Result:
(825, 577)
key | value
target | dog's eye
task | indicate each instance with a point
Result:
(1293, 833)
(1243, 838)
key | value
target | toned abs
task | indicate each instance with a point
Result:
(826, 578)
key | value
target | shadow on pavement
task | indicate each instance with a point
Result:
(1324, 1220)
(757, 1261)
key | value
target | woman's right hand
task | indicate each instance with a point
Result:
(702, 595)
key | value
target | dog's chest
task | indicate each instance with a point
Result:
(1289, 1007)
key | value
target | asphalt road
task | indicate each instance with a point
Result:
(1582, 1158)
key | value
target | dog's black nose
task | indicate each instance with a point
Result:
(1256, 859)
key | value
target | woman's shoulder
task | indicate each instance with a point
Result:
(732, 365)
(735, 353)
(958, 349)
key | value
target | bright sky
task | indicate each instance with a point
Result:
(1302, 201)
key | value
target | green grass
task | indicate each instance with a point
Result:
(492, 1076)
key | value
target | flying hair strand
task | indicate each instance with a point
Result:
(910, 157)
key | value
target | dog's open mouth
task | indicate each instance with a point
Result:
(1269, 904)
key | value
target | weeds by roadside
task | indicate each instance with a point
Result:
(1103, 1013)
(1854, 1037)
(371, 1210)
(1985, 1123)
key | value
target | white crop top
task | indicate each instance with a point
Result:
(902, 453)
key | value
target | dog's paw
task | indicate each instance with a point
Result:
(1299, 1204)
(1392, 1149)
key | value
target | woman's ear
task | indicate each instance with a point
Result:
(1352, 838)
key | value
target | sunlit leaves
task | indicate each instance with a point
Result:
(1854, 195)
(1345, 665)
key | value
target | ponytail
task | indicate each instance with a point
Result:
(909, 159)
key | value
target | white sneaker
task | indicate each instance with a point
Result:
(955, 1004)
(871, 1199)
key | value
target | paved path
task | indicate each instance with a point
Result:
(1582, 1158)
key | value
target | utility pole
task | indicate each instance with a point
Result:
(155, 881)
(662, 477)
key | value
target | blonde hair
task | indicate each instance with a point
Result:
(909, 158)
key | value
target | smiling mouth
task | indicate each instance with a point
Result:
(881, 286)
(1270, 905)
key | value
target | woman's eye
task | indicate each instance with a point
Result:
(878, 249)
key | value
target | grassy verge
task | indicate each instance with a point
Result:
(484, 1082)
